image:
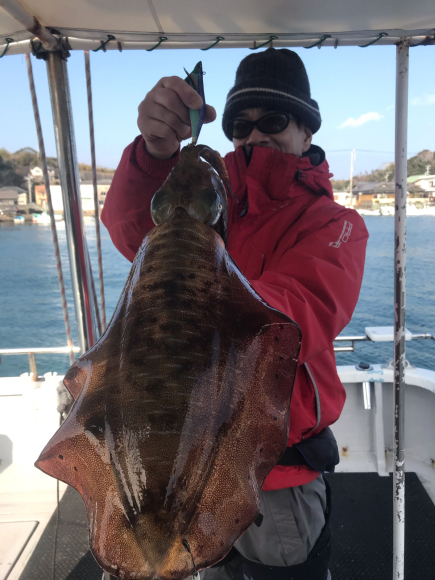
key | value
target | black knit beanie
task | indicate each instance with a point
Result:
(273, 79)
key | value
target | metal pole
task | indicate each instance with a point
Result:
(352, 154)
(402, 63)
(32, 364)
(49, 42)
(50, 207)
(69, 177)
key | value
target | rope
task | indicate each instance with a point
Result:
(162, 39)
(94, 296)
(8, 41)
(94, 181)
(381, 35)
(103, 44)
(320, 42)
(264, 43)
(56, 529)
(218, 39)
(50, 207)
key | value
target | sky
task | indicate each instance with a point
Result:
(355, 89)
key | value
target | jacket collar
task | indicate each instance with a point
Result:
(271, 176)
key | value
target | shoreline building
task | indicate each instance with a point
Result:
(104, 181)
(370, 195)
(11, 197)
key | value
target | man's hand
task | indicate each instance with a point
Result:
(64, 399)
(164, 119)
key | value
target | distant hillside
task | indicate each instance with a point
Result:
(417, 165)
(84, 167)
(15, 166)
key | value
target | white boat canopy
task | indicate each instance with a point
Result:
(136, 24)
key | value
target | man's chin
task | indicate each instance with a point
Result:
(248, 153)
(248, 150)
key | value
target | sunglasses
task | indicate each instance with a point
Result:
(270, 124)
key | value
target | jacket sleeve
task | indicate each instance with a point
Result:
(126, 212)
(317, 281)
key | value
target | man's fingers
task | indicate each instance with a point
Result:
(171, 101)
(160, 113)
(155, 130)
(210, 114)
(164, 119)
(161, 140)
(187, 94)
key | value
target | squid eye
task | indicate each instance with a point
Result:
(209, 206)
(208, 197)
(161, 206)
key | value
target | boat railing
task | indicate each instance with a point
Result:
(373, 334)
(367, 337)
(38, 350)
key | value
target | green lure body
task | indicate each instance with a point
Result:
(195, 80)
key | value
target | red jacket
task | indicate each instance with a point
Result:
(302, 252)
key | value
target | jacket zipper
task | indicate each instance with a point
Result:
(318, 405)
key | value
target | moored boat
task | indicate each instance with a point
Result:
(44, 218)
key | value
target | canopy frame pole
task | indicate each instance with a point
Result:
(50, 208)
(12, 7)
(402, 67)
(57, 73)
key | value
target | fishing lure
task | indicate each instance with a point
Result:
(195, 80)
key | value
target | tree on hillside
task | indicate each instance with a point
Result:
(84, 167)
(15, 166)
(27, 157)
(8, 176)
(423, 161)
(340, 184)
(417, 165)
(377, 175)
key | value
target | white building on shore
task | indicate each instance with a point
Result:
(343, 198)
(86, 193)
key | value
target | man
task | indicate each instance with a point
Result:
(302, 252)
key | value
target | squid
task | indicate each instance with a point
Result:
(181, 409)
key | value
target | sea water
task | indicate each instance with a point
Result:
(31, 312)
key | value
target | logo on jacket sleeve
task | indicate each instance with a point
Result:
(344, 236)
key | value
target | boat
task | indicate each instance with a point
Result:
(388, 210)
(44, 218)
(19, 219)
(372, 431)
(413, 210)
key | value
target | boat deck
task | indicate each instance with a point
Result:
(362, 528)
(362, 512)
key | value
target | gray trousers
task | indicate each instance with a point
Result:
(293, 520)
